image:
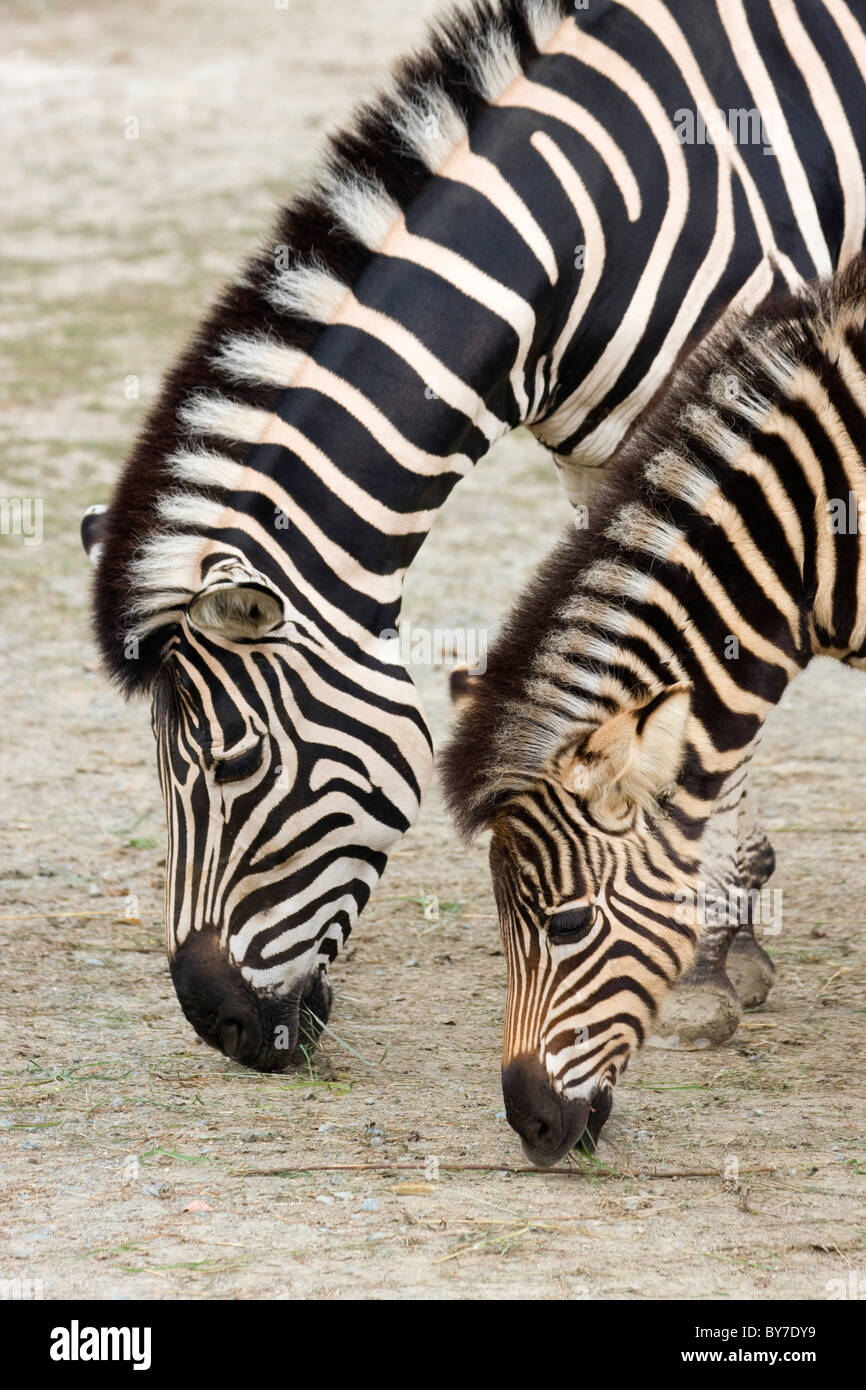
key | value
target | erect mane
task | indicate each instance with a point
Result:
(505, 735)
(179, 476)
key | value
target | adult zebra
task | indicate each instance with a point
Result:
(609, 719)
(511, 234)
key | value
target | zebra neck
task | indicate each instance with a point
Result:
(341, 479)
(726, 555)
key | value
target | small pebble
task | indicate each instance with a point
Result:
(370, 1204)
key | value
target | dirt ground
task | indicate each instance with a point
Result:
(132, 1154)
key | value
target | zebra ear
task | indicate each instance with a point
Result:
(634, 756)
(237, 603)
(93, 527)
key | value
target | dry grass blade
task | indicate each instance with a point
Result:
(571, 1172)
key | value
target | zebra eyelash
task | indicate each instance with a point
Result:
(571, 924)
(240, 766)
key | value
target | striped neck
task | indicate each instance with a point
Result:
(739, 558)
(724, 560)
(479, 250)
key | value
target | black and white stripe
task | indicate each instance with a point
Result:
(422, 298)
(615, 717)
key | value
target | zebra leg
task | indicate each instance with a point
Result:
(731, 971)
(582, 486)
(749, 968)
(703, 1009)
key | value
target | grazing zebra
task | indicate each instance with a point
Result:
(634, 675)
(522, 229)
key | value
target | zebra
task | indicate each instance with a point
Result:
(518, 230)
(632, 679)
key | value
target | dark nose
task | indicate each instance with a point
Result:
(548, 1123)
(262, 1031)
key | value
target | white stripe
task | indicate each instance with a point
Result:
(594, 247)
(751, 64)
(827, 104)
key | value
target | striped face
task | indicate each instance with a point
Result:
(590, 904)
(288, 771)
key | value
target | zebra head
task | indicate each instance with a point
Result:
(590, 906)
(289, 767)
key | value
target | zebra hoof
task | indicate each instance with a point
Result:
(694, 1016)
(750, 970)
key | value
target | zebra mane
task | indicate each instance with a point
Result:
(544, 673)
(189, 455)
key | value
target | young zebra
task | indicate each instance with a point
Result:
(630, 684)
(523, 229)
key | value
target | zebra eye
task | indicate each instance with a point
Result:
(242, 765)
(570, 924)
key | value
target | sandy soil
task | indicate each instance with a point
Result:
(132, 1154)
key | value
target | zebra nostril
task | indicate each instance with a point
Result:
(537, 1132)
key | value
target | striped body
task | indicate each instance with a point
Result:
(515, 233)
(630, 685)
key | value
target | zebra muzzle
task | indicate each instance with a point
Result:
(264, 1031)
(549, 1124)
